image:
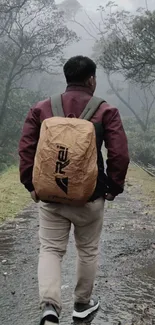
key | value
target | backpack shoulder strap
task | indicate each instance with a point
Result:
(91, 108)
(56, 103)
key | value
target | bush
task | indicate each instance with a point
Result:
(18, 105)
(141, 144)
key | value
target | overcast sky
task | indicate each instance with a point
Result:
(128, 4)
(93, 4)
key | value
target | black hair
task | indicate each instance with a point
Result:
(79, 69)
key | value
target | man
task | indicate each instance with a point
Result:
(56, 219)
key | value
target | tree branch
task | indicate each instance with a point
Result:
(7, 8)
(126, 103)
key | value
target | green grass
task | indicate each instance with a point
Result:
(13, 196)
(143, 186)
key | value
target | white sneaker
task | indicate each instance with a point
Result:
(83, 310)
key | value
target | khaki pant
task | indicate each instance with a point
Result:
(55, 225)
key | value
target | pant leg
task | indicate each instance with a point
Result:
(88, 227)
(53, 233)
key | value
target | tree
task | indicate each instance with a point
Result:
(141, 145)
(70, 7)
(127, 44)
(33, 36)
(124, 48)
(17, 106)
(120, 38)
(34, 41)
(146, 101)
(7, 6)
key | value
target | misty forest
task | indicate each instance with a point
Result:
(38, 36)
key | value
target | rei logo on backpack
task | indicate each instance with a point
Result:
(61, 163)
(65, 168)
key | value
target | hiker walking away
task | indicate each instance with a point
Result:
(61, 165)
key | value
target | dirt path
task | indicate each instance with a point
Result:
(126, 275)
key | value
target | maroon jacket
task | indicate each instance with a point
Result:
(74, 101)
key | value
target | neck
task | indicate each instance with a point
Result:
(80, 86)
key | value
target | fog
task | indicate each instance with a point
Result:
(36, 40)
(86, 43)
(127, 4)
(132, 99)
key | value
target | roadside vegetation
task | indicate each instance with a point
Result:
(13, 196)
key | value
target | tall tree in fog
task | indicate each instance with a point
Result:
(125, 46)
(33, 35)
(129, 46)
(124, 49)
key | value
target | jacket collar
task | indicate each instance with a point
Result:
(76, 87)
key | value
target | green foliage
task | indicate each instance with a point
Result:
(18, 104)
(141, 144)
(13, 197)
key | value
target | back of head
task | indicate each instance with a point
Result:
(79, 69)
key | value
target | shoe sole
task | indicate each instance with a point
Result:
(49, 323)
(85, 313)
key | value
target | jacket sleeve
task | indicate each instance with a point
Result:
(27, 147)
(117, 150)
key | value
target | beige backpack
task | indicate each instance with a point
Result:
(65, 167)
